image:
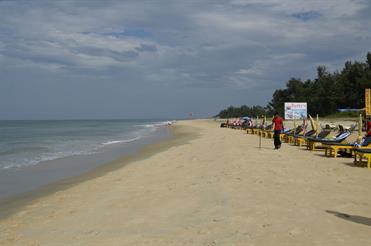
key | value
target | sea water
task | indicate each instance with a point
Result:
(34, 153)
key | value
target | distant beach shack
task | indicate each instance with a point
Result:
(349, 110)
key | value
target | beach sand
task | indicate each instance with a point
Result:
(207, 186)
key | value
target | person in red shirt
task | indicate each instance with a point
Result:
(278, 126)
(368, 128)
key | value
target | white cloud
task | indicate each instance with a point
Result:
(331, 8)
(189, 44)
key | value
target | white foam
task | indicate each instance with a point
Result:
(59, 148)
(158, 124)
(121, 141)
(20, 165)
(44, 157)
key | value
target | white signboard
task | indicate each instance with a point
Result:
(295, 110)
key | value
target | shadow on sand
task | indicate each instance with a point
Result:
(351, 164)
(272, 148)
(353, 218)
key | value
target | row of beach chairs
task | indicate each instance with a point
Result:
(333, 145)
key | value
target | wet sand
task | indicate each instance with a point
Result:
(206, 186)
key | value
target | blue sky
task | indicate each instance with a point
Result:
(163, 59)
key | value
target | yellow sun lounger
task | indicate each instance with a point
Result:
(299, 141)
(318, 144)
(256, 131)
(249, 130)
(333, 149)
(263, 133)
(270, 134)
(302, 140)
(362, 153)
(289, 137)
(267, 134)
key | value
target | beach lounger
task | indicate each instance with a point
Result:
(313, 142)
(332, 149)
(284, 132)
(250, 130)
(268, 129)
(256, 130)
(362, 153)
(301, 139)
(270, 134)
(324, 133)
(289, 137)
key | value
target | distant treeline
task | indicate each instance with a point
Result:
(233, 112)
(324, 95)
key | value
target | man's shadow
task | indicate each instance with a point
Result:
(353, 218)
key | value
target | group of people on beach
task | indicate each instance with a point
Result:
(237, 123)
(278, 128)
(247, 122)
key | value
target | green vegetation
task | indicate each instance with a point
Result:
(324, 95)
(232, 112)
(344, 115)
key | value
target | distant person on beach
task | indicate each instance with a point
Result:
(278, 126)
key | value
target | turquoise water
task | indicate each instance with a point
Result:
(27, 143)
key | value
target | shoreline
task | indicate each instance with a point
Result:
(10, 205)
(25, 177)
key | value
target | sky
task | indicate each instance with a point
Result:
(93, 59)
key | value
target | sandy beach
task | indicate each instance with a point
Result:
(206, 186)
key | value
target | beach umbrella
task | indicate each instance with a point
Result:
(294, 124)
(317, 125)
(305, 125)
(360, 128)
(312, 123)
(265, 121)
(261, 122)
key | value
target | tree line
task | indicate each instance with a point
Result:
(324, 94)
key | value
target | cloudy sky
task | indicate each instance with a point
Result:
(164, 58)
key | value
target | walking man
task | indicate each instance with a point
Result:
(278, 126)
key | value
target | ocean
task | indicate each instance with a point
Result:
(42, 151)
